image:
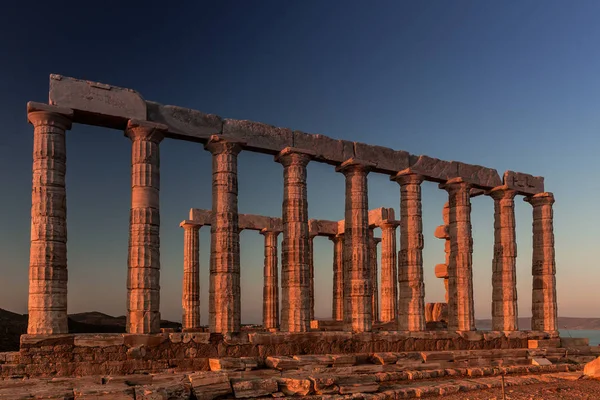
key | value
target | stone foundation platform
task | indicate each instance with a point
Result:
(120, 354)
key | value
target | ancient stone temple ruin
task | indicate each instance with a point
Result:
(359, 323)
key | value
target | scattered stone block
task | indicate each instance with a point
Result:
(543, 343)
(358, 384)
(284, 363)
(232, 363)
(384, 358)
(324, 384)
(294, 385)
(540, 361)
(210, 385)
(254, 388)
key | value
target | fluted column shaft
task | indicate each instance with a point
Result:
(47, 303)
(389, 273)
(224, 305)
(411, 288)
(373, 242)
(358, 287)
(271, 281)
(143, 281)
(460, 268)
(311, 277)
(295, 262)
(338, 277)
(543, 307)
(504, 263)
(190, 299)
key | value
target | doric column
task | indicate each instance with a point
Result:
(411, 304)
(338, 277)
(143, 281)
(295, 267)
(271, 281)
(504, 263)
(48, 252)
(311, 276)
(389, 272)
(190, 299)
(224, 305)
(374, 275)
(357, 272)
(460, 268)
(543, 307)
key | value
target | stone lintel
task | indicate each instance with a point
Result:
(377, 218)
(227, 139)
(33, 106)
(200, 217)
(136, 123)
(290, 150)
(185, 123)
(97, 103)
(326, 149)
(259, 137)
(321, 227)
(524, 184)
(385, 160)
(476, 192)
(351, 162)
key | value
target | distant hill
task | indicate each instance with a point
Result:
(13, 325)
(572, 323)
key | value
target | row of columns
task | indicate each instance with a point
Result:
(48, 266)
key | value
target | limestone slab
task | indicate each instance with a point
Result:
(523, 183)
(184, 123)
(258, 136)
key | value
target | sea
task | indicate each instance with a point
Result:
(593, 335)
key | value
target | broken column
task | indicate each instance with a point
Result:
(271, 281)
(504, 263)
(190, 297)
(338, 277)
(543, 308)
(389, 272)
(411, 304)
(357, 275)
(48, 252)
(224, 291)
(460, 267)
(295, 288)
(143, 281)
(373, 242)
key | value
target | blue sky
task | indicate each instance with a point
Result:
(509, 85)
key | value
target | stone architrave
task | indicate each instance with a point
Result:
(271, 281)
(295, 260)
(224, 306)
(48, 253)
(338, 277)
(543, 308)
(143, 281)
(504, 263)
(311, 276)
(373, 242)
(389, 272)
(357, 270)
(460, 267)
(190, 298)
(411, 289)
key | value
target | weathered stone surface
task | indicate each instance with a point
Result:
(98, 340)
(210, 385)
(271, 281)
(479, 176)
(384, 358)
(357, 283)
(338, 277)
(190, 298)
(258, 136)
(326, 149)
(172, 391)
(543, 343)
(544, 307)
(389, 272)
(224, 291)
(433, 169)
(540, 361)
(436, 312)
(504, 263)
(232, 363)
(184, 123)
(411, 305)
(524, 183)
(295, 274)
(295, 386)
(143, 288)
(592, 369)
(386, 160)
(92, 392)
(254, 388)
(374, 276)
(283, 363)
(91, 100)
(47, 303)
(441, 271)
(320, 227)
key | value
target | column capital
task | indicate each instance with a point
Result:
(391, 224)
(223, 145)
(46, 114)
(455, 184)
(336, 238)
(355, 165)
(407, 176)
(270, 231)
(145, 130)
(502, 193)
(540, 199)
(187, 224)
(376, 240)
(294, 156)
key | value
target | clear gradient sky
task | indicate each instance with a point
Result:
(505, 84)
